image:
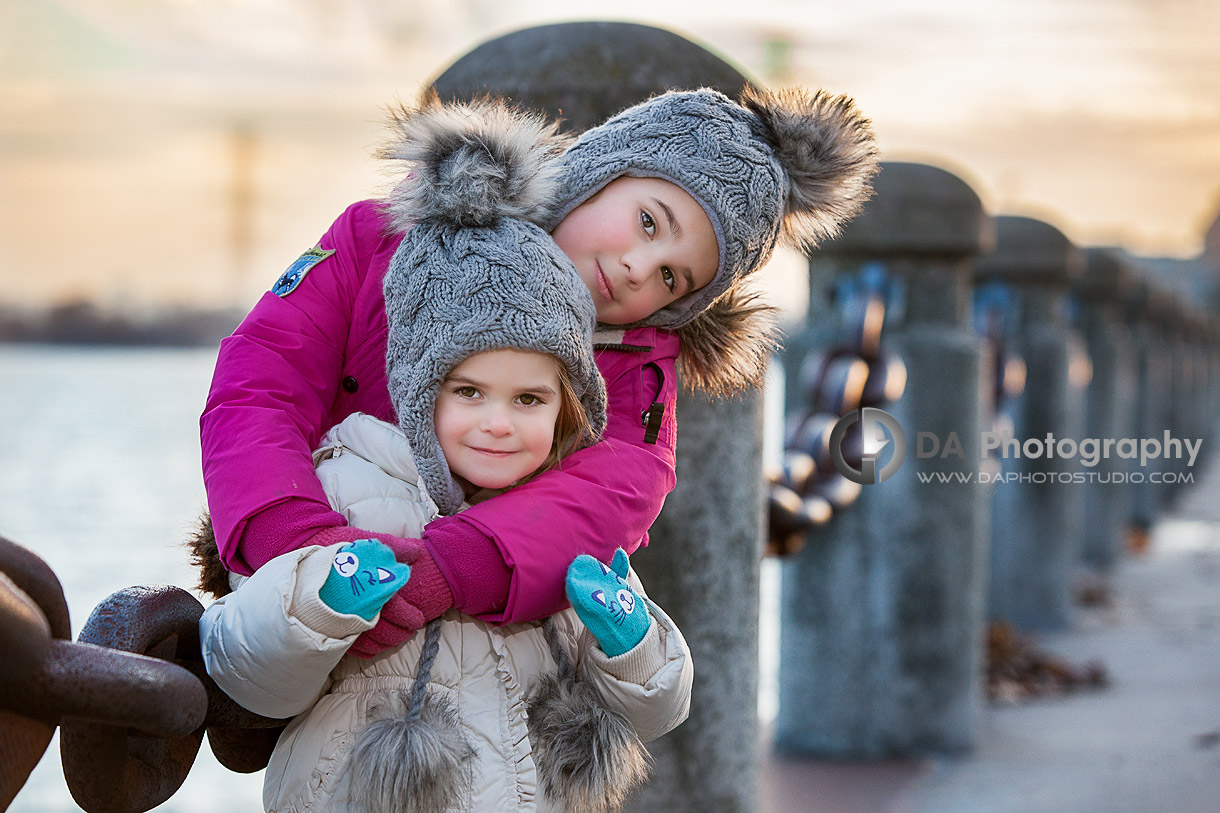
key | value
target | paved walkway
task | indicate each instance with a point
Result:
(1149, 742)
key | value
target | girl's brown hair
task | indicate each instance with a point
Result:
(572, 427)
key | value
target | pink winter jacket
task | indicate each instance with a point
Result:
(301, 363)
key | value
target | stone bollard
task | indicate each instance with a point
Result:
(703, 563)
(1035, 526)
(1175, 328)
(1211, 390)
(1144, 309)
(822, 328)
(1099, 294)
(1212, 352)
(1202, 387)
(1189, 427)
(583, 73)
(1205, 349)
(1172, 412)
(1190, 396)
(1200, 415)
(882, 610)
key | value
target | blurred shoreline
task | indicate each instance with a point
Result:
(84, 322)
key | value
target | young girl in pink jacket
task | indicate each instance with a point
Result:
(663, 209)
(492, 376)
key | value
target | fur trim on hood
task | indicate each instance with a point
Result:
(726, 348)
(205, 555)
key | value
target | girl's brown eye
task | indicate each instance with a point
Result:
(650, 225)
(667, 276)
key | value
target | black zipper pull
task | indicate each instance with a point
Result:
(651, 418)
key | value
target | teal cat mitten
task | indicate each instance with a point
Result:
(363, 577)
(610, 609)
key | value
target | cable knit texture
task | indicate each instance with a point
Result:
(469, 277)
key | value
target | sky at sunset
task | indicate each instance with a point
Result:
(154, 151)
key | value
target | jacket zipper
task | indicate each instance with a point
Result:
(652, 416)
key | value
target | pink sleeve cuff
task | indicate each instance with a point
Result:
(277, 529)
(472, 565)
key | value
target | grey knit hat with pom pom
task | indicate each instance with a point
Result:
(788, 164)
(473, 273)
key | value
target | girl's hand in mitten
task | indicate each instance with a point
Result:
(610, 609)
(363, 577)
(425, 597)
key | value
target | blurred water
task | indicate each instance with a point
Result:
(103, 484)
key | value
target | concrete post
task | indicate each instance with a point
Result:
(702, 566)
(1211, 353)
(1212, 350)
(1109, 413)
(1187, 394)
(1035, 526)
(1190, 393)
(1175, 328)
(1144, 313)
(703, 562)
(821, 329)
(1199, 389)
(1202, 330)
(1170, 330)
(1203, 407)
(583, 73)
(882, 611)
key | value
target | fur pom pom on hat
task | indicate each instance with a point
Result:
(790, 164)
(473, 164)
(472, 272)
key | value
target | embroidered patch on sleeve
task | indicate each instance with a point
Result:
(290, 279)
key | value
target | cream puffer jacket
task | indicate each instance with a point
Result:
(273, 646)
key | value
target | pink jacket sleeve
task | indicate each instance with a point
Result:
(275, 380)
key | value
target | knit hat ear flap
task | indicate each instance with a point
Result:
(473, 163)
(826, 148)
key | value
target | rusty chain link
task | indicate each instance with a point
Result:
(131, 696)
